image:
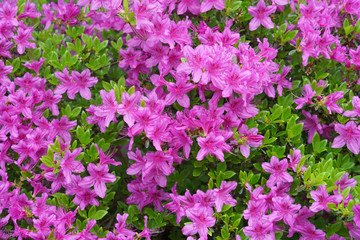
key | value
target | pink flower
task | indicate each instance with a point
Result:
(278, 172)
(157, 167)
(22, 38)
(311, 123)
(322, 198)
(188, 5)
(249, 138)
(201, 218)
(356, 104)
(35, 65)
(178, 90)
(82, 83)
(308, 93)
(68, 164)
(85, 197)
(211, 144)
(349, 135)
(99, 175)
(206, 5)
(261, 15)
(222, 195)
(331, 100)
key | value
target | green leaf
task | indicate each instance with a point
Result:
(75, 112)
(131, 90)
(47, 161)
(290, 35)
(197, 172)
(91, 213)
(357, 27)
(100, 214)
(318, 146)
(228, 174)
(255, 179)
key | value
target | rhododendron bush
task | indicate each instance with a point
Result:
(179, 119)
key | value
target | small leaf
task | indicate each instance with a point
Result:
(100, 214)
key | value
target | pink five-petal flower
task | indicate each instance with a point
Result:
(211, 144)
(99, 175)
(356, 210)
(322, 198)
(177, 92)
(249, 138)
(330, 102)
(128, 106)
(4, 71)
(308, 93)
(356, 104)
(120, 226)
(109, 107)
(201, 218)
(66, 83)
(50, 101)
(261, 15)
(139, 164)
(344, 182)
(68, 164)
(83, 81)
(349, 135)
(259, 230)
(22, 38)
(278, 172)
(35, 65)
(222, 195)
(311, 123)
(191, 5)
(157, 167)
(206, 5)
(284, 208)
(85, 197)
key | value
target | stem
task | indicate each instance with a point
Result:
(137, 33)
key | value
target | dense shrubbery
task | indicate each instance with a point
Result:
(179, 119)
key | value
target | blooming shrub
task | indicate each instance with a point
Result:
(179, 119)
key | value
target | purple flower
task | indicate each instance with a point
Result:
(157, 167)
(66, 83)
(29, 11)
(356, 210)
(308, 93)
(344, 182)
(285, 209)
(278, 172)
(331, 100)
(35, 65)
(201, 218)
(85, 197)
(68, 164)
(311, 123)
(356, 104)
(349, 135)
(211, 144)
(222, 195)
(259, 230)
(206, 5)
(322, 198)
(22, 38)
(120, 226)
(82, 83)
(192, 6)
(261, 15)
(249, 138)
(99, 175)
(178, 90)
